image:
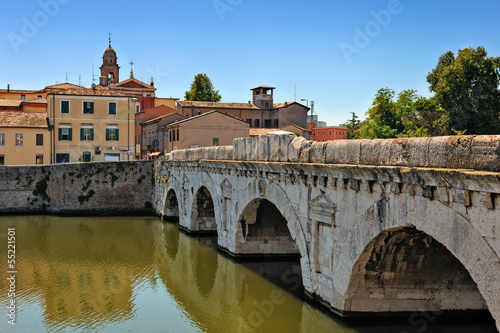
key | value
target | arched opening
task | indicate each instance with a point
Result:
(203, 213)
(111, 77)
(171, 207)
(406, 270)
(262, 229)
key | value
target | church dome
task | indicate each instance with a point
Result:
(109, 52)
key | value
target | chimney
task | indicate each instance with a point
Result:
(8, 88)
(93, 86)
(152, 84)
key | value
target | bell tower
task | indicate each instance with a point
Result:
(109, 70)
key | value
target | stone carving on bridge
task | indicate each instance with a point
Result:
(322, 212)
(227, 194)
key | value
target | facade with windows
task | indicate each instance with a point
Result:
(327, 133)
(24, 138)
(205, 130)
(91, 125)
(153, 143)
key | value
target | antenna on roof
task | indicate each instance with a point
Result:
(110, 39)
(67, 77)
(80, 80)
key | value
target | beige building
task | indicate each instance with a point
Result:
(24, 138)
(95, 124)
(153, 143)
(261, 112)
(207, 129)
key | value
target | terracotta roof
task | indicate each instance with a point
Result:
(20, 91)
(265, 87)
(283, 105)
(218, 105)
(10, 102)
(296, 126)
(140, 84)
(23, 119)
(203, 115)
(99, 91)
(36, 101)
(157, 119)
(260, 131)
(162, 108)
(63, 86)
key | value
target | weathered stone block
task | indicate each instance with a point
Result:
(295, 148)
(375, 152)
(305, 155)
(485, 153)
(343, 152)
(278, 147)
(239, 152)
(263, 148)
(450, 152)
(317, 152)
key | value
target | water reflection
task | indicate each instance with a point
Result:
(142, 275)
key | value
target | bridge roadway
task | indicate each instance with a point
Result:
(380, 226)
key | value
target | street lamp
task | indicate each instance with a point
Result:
(307, 117)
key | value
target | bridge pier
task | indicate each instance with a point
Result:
(372, 239)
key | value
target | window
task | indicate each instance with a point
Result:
(256, 123)
(170, 136)
(178, 135)
(62, 158)
(275, 123)
(39, 139)
(39, 159)
(65, 134)
(267, 123)
(86, 156)
(88, 107)
(23, 97)
(215, 142)
(330, 133)
(249, 122)
(86, 134)
(2, 160)
(19, 139)
(266, 105)
(112, 108)
(112, 134)
(2, 139)
(139, 121)
(137, 109)
(39, 96)
(64, 106)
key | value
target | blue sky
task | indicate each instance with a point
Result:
(339, 52)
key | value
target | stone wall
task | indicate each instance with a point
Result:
(105, 188)
(480, 152)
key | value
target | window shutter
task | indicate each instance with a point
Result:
(81, 134)
(70, 134)
(107, 134)
(91, 134)
(116, 131)
(91, 107)
(60, 134)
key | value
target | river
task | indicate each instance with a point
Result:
(140, 274)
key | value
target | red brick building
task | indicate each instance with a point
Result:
(327, 133)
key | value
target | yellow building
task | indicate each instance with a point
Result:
(29, 95)
(95, 124)
(24, 138)
(170, 102)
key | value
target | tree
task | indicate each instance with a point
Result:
(352, 126)
(202, 90)
(467, 87)
(426, 118)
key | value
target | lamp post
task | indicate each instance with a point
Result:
(307, 117)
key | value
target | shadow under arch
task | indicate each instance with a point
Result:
(263, 230)
(202, 213)
(171, 211)
(405, 270)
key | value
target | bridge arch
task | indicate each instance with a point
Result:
(272, 197)
(449, 243)
(171, 210)
(203, 212)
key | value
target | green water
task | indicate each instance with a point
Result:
(140, 274)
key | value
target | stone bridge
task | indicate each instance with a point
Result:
(380, 226)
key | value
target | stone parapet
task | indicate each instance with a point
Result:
(479, 152)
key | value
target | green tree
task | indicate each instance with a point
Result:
(202, 90)
(426, 118)
(352, 126)
(467, 87)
